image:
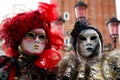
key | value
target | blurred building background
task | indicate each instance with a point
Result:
(98, 13)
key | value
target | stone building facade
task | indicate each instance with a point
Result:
(98, 13)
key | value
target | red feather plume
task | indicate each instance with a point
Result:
(13, 29)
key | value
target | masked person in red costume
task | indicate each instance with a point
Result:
(28, 42)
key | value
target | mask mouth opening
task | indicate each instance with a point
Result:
(89, 49)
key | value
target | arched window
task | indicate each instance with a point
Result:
(66, 16)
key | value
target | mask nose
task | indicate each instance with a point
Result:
(89, 42)
(37, 40)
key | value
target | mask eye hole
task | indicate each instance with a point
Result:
(30, 35)
(93, 38)
(42, 37)
(82, 38)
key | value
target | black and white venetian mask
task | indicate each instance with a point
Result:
(88, 43)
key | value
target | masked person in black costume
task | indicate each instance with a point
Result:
(89, 63)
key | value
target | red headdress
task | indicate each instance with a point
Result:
(14, 29)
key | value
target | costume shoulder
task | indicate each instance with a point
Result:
(5, 67)
(3, 60)
(66, 67)
(111, 65)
